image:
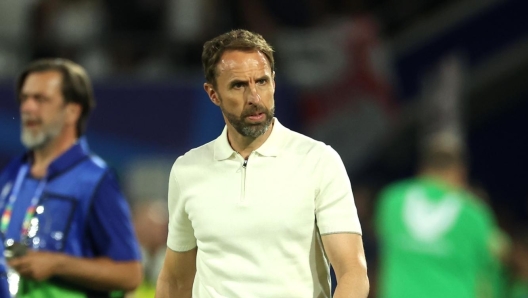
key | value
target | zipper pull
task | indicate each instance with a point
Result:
(245, 163)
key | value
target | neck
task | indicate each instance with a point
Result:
(245, 145)
(44, 156)
(452, 177)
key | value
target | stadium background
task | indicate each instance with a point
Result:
(356, 74)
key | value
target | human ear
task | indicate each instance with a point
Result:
(213, 95)
(73, 113)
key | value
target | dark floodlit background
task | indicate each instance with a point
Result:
(370, 78)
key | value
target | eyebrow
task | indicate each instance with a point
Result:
(264, 77)
(29, 94)
(237, 81)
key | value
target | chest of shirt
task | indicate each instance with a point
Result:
(268, 195)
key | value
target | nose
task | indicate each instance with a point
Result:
(27, 106)
(253, 96)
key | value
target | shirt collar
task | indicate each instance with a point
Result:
(78, 152)
(271, 147)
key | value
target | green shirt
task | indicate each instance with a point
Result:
(434, 241)
(519, 289)
(54, 288)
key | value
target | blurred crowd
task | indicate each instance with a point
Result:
(159, 38)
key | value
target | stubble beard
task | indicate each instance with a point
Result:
(251, 130)
(38, 140)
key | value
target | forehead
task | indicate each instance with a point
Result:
(242, 63)
(42, 81)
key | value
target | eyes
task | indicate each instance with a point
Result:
(38, 98)
(242, 84)
(262, 81)
(238, 85)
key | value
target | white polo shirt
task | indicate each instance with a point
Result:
(258, 226)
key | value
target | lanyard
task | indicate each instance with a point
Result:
(6, 216)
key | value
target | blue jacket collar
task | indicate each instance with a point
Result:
(77, 153)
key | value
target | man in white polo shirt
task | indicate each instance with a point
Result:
(261, 211)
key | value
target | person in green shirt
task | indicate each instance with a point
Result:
(436, 238)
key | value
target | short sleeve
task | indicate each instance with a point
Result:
(181, 233)
(109, 223)
(334, 203)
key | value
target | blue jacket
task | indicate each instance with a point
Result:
(84, 212)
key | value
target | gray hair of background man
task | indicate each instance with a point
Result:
(241, 40)
(76, 85)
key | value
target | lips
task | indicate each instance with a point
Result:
(31, 123)
(256, 116)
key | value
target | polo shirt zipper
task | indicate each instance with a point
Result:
(243, 195)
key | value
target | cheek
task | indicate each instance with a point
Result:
(233, 101)
(54, 117)
(267, 96)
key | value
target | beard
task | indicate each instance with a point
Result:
(38, 139)
(251, 130)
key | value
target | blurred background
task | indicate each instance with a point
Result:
(370, 78)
